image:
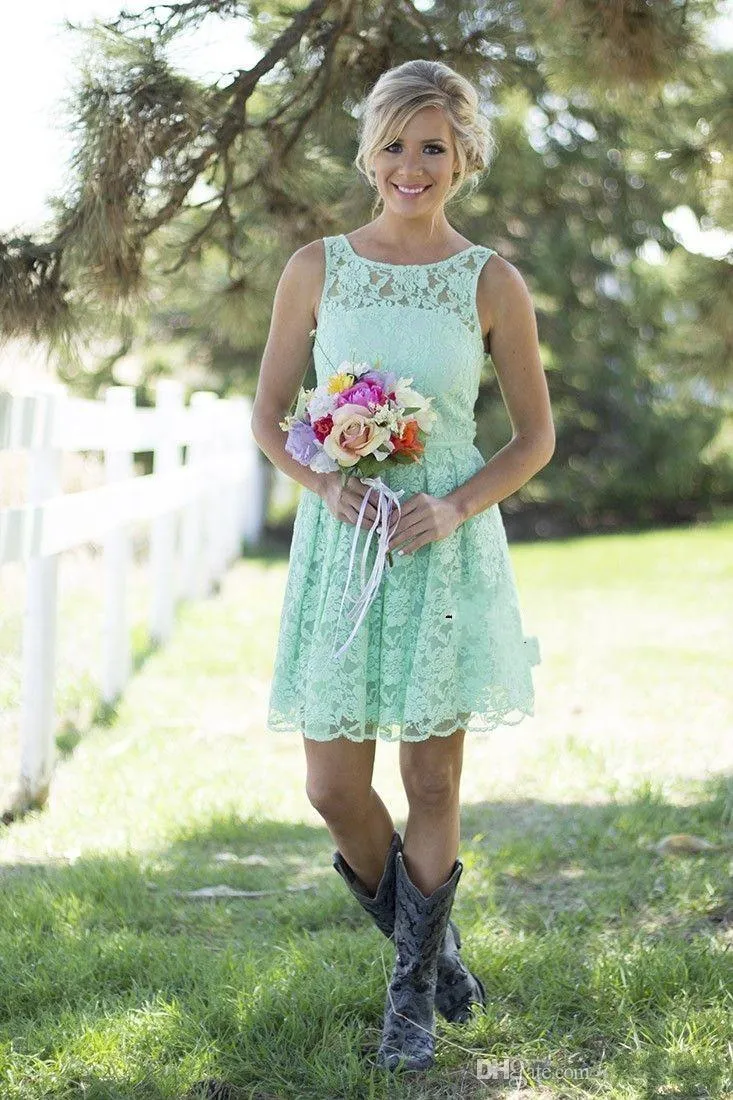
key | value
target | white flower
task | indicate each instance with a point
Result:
(322, 463)
(388, 419)
(409, 398)
(321, 403)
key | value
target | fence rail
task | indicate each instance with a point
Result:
(202, 508)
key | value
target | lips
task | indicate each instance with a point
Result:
(415, 194)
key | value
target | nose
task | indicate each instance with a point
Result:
(411, 165)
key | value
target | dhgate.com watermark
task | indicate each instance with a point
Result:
(514, 1071)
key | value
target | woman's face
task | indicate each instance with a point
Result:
(421, 157)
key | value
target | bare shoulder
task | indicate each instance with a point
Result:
(306, 272)
(311, 255)
(500, 287)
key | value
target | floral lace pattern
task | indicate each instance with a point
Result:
(442, 646)
(444, 287)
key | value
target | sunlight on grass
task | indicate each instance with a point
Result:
(596, 951)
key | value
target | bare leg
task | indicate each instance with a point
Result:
(339, 786)
(431, 773)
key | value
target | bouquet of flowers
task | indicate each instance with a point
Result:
(361, 417)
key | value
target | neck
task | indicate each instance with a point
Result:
(413, 233)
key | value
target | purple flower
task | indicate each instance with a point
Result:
(302, 442)
(385, 379)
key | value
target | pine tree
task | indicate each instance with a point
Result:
(185, 200)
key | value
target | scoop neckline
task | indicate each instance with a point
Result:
(386, 263)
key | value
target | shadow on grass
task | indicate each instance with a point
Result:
(273, 547)
(595, 950)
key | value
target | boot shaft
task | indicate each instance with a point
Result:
(419, 932)
(421, 922)
(382, 906)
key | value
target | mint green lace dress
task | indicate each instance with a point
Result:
(441, 646)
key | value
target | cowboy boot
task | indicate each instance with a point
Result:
(419, 930)
(457, 987)
(381, 906)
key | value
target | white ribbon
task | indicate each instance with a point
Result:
(386, 498)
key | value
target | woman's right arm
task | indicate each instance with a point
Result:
(284, 363)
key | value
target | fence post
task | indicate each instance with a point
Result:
(219, 495)
(195, 584)
(117, 545)
(212, 493)
(39, 626)
(240, 407)
(164, 531)
(253, 486)
(234, 446)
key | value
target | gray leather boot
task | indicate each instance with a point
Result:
(457, 987)
(420, 925)
(381, 906)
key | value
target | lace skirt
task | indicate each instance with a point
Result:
(441, 646)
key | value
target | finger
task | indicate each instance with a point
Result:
(367, 520)
(398, 520)
(355, 501)
(411, 541)
(410, 547)
(404, 531)
(370, 514)
(357, 497)
(406, 509)
(368, 517)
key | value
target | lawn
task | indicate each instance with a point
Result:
(607, 963)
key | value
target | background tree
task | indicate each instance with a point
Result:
(185, 200)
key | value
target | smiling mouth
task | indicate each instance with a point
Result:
(410, 192)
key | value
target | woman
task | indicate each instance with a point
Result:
(441, 650)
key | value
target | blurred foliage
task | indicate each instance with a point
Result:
(186, 200)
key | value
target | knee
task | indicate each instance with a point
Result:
(335, 802)
(432, 788)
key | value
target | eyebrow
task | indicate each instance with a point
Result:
(426, 139)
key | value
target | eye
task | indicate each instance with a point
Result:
(430, 145)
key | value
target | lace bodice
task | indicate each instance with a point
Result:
(430, 305)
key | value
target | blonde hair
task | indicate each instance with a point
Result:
(401, 92)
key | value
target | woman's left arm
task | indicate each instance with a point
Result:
(515, 353)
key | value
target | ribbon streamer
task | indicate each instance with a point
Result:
(387, 497)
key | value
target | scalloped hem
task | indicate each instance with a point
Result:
(478, 726)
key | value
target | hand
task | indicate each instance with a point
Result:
(344, 501)
(424, 519)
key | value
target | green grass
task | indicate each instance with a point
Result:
(608, 967)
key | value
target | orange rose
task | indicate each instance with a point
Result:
(409, 442)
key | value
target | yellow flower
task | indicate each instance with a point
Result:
(340, 382)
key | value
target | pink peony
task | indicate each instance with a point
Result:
(362, 393)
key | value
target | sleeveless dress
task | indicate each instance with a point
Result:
(442, 646)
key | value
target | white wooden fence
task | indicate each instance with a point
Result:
(203, 510)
